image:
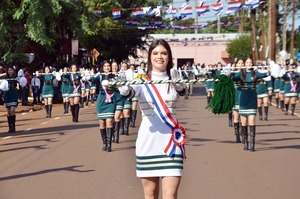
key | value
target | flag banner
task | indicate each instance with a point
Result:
(188, 10)
(97, 11)
(235, 5)
(116, 13)
(252, 3)
(202, 9)
(138, 12)
(217, 7)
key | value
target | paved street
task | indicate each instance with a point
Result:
(57, 159)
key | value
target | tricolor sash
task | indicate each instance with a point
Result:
(74, 85)
(293, 86)
(178, 136)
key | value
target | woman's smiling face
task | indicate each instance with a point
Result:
(159, 59)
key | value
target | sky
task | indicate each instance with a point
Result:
(210, 16)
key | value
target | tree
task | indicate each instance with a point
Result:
(240, 47)
(44, 26)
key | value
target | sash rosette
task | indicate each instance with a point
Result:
(178, 136)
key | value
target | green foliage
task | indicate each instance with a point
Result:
(240, 47)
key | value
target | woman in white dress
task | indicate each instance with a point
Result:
(160, 142)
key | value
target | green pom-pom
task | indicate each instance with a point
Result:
(223, 99)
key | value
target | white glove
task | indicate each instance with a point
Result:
(60, 71)
(124, 90)
(37, 73)
(105, 83)
(176, 76)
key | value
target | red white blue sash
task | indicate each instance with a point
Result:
(293, 86)
(178, 136)
(74, 86)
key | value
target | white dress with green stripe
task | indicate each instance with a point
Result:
(154, 134)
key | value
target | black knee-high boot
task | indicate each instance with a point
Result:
(208, 99)
(260, 113)
(252, 138)
(117, 132)
(92, 98)
(277, 102)
(9, 119)
(133, 118)
(64, 104)
(86, 101)
(286, 109)
(67, 107)
(81, 102)
(76, 112)
(266, 112)
(245, 135)
(237, 132)
(46, 108)
(293, 109)
(282, 105)
(126, 125)
(13, 123)
(109, 132)
(49, 110)
(270, 100)
(73, 112)
(122, 131)
(230, 119)
(104, 139)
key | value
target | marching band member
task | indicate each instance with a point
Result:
(93, 86)
(155, 160)
(87, 86)
(275, 73)
(106, 105)
(263, 95)
(186, 76)
(239, 63)
(10, 86)
(248, 101)
(74, 91)
(65, 87)
(130, 75)
(82, 87)
(48, 91)
(291, 89)
(281, 89)
(209, 82)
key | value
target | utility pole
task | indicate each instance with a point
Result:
(195, 17)
(253, 35)
(219, 24)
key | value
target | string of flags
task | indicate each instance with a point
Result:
(181, 12)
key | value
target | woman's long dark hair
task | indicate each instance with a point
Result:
(13, 75)
(168, 48)
(244, 71)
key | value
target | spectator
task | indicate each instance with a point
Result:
(36, 85)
